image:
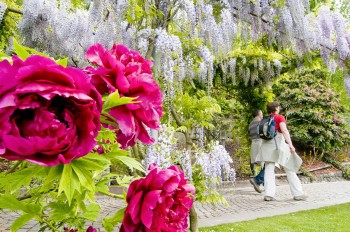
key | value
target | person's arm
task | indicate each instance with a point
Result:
(286, 135)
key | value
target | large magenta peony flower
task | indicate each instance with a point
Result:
(128, 72)
(159, 202)
(49, 114)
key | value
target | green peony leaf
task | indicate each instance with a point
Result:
(110, 222)
(63, 62)
(93, 162)
(92, 212)
(24, 52)
(128, 161)
(69, 182)
(10, 202)
(14, 181)
(84, 176)
(53, 175)
(114, 100)
(61, 211)
(21, 221)
(4, 56)
(20, 50)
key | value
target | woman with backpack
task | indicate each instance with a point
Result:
(280, 151)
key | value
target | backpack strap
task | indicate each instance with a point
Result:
(274, 138)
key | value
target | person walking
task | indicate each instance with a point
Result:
(257, 180)
(280, 150)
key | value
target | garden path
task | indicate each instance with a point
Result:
(244, 204)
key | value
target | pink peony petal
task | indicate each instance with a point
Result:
(94, 53)
(134, 207)
(163, 176)
(128, 72)
(50, 113)
(149, 204)
(172, 184)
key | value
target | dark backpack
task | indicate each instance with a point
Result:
(266, 128)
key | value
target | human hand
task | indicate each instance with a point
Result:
(292, 148)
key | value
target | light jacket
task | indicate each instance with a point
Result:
(269, 153)
(254, 150)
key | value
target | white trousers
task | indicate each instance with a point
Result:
(270, 181)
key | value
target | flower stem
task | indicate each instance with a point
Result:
(14, 167)
(112, 195)
(49, 224)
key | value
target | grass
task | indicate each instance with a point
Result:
(333, 218)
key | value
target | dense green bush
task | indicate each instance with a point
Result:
(313, 111)
(8, 26)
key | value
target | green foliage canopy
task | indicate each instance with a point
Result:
(313, 110)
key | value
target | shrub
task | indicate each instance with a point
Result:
(314, 113)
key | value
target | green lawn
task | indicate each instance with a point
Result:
(332, 219)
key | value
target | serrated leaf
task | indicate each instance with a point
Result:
(32, 208)
(60, 211)
(23, 177)
(21, 221)
(63, 62)
(84, 176)
(114, 100)
(129, 162)
(10, 202)
(93, 162)
(4, 56)
(53, 175)
(24, 52)
(20, 50)
(124, 181)
(102, 187)
(92, 212)
(68, 183)
(110, 222)
(116, 153)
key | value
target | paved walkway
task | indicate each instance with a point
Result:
(244, 204)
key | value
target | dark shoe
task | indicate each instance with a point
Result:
(300, 198)
(268, 198)
(255, 185)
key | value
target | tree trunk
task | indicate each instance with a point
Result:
(193, 213)
(193, 220)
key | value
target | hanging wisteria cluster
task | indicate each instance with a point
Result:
(168, 55)
(216, 164)
(62, 31)
(160, 152)
(164, 153)
(347, 84)
(57, 28)
(253, 70)
(3, 8)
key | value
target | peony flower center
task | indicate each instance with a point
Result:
(51, 120)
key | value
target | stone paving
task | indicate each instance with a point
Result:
(244, 204)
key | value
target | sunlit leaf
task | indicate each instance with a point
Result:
(128, 161)
(92, 212)
(114, 100)
(63, 62)
(21, 221)
(110, 222)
